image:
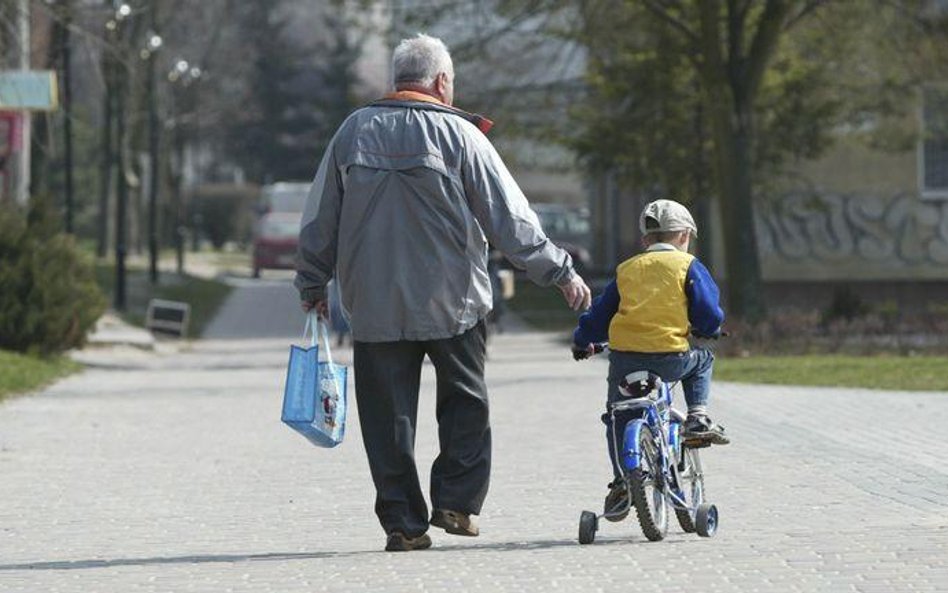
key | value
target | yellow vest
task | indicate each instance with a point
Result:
(653, 307)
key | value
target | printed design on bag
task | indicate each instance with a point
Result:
(330, 398)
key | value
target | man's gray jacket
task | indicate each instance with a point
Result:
(403, 205)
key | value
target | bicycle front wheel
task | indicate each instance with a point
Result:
(648, 489)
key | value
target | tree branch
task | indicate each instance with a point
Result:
(807, 8)
(712, 68)
(656, 9)
(744, 8)
(736, 23)
(769, 28)
(478, 44)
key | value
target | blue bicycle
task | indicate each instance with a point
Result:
(660, 472)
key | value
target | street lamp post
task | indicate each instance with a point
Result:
(149, 54)
(182, 73)
(121, 183)
(107, 147)
(66, 57)
(23, 57)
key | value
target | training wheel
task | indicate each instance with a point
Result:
(588, 523)
(706, 520)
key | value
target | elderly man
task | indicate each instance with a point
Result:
(404, 203)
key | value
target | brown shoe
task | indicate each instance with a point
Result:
(399, 542)
(454, 522)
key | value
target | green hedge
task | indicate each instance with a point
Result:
(49, 298)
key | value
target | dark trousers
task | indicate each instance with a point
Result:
(387, 380)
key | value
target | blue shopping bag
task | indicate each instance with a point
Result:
(314, 399)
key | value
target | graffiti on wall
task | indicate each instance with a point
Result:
(878, 234)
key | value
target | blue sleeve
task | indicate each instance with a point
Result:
(594, 324)
(704, 308)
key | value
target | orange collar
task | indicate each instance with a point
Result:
(482, 123)
(414, 96)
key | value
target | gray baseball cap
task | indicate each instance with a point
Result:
(666, 216)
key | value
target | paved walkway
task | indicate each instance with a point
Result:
(173, 473)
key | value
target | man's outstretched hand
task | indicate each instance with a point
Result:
(577, 294)
(321, 307)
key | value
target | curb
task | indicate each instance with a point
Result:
(110, 330)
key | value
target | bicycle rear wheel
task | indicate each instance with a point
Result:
(648, 489)
(691, 483)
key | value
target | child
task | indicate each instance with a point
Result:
(646, 314)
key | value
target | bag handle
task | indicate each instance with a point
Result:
(324, 334)
(312, 328)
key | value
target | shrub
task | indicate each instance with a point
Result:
(846, 305)
(224, 212)
(49, 299)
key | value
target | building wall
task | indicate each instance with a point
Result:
(856, 214)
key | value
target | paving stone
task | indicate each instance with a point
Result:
(172, 472)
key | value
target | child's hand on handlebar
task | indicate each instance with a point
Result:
(580, 353)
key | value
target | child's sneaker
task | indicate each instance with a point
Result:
(700, 427)
(616, 500)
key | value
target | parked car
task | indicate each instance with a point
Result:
(275, 241)
(569, 227)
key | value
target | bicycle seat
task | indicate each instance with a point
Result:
(639, 384)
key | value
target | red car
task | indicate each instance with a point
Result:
(275, 242)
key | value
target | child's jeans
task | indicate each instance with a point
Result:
(693, 368)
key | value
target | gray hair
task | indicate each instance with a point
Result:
(421, 59)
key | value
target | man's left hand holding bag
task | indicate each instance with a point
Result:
(321, 307)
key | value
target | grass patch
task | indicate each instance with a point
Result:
(21, 373)
(205, 296)
(914, 373)
(543, 308)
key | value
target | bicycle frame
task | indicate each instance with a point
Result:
(656, 418)
(658, 460)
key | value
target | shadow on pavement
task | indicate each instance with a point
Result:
(277, 556)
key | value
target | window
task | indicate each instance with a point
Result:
(933, 149)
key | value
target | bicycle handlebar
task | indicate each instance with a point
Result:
(600, 347)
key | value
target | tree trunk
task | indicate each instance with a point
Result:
(743, 261)
(731, 62)
(702, 197)
(732, 131)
